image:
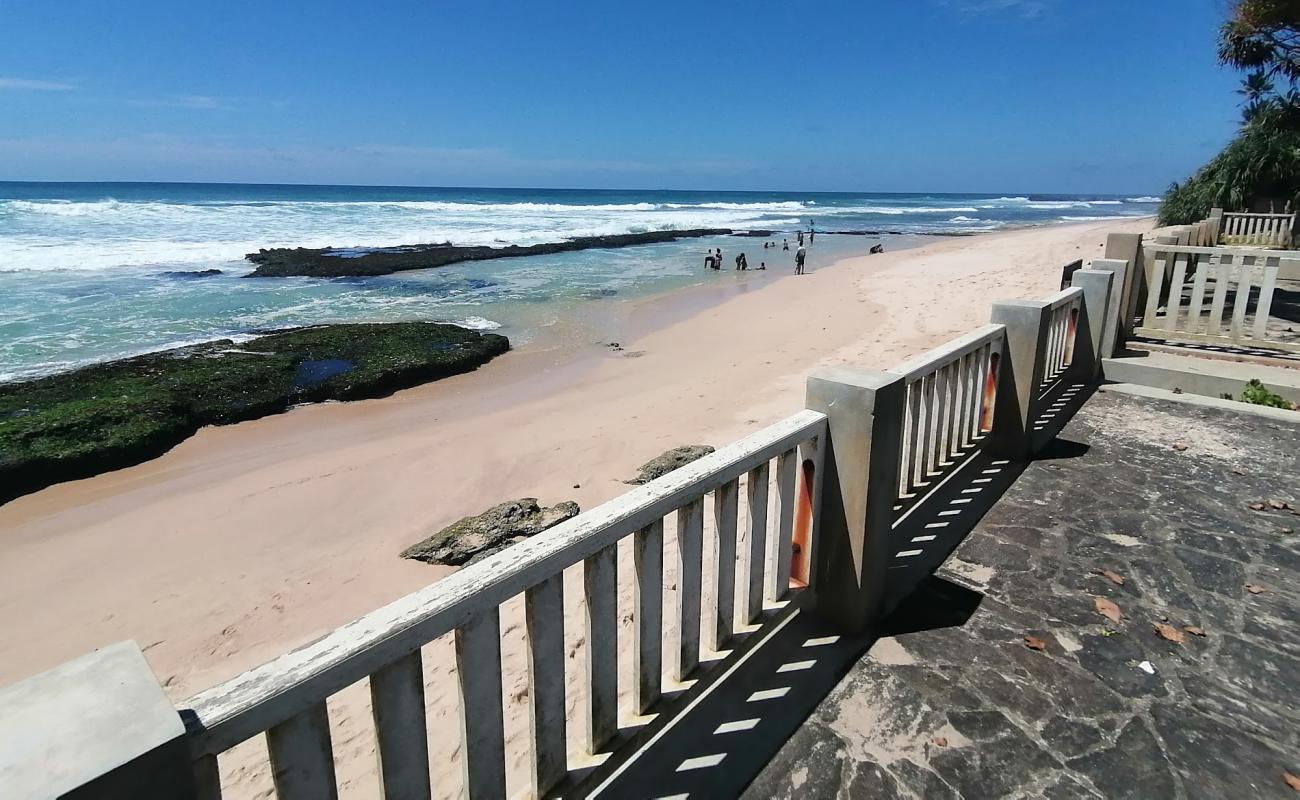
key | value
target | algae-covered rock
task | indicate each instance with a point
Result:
(474, 538)
(673, 459)
(111, 415)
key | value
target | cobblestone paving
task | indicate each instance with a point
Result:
(1105, 709)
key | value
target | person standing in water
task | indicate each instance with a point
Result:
(801, 238)
(799, 256)
(785, 244)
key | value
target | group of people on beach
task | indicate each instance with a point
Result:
(713, 258)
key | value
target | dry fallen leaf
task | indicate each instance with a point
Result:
(1256, 506)
(1280, 505)
(1034, 643)
(1195, 631)
(1238, 471)
(1113, 577)
(1107, 609)
(1291, 780)
(1169, 632)
(1179, 446)
(1255, 588)
(940, 741)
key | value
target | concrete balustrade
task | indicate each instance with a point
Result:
(1211, 295)
(822, 491)
(1266, 230)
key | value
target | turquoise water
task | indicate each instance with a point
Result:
(96, 271)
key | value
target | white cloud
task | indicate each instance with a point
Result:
(1029, 9)
(27, 85)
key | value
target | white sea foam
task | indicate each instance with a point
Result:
(1143, 199)
(137, 235)
(58, 208)
(892, 210)
(1084, 218)
(1048, 205)
(963, 219)
(476, 323)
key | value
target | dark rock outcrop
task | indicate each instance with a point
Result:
(186, 274)
(119, 413)
(473, 538)
(343, 262)
(673, 459)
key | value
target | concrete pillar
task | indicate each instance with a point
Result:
(1127, 247)
(1089, 334)
(1110, 332)
(95, 727)
(859, 488)
(1020, 373)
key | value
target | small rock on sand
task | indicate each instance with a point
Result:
(673, 459)
(474, 538)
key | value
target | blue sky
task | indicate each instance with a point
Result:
(860, 95)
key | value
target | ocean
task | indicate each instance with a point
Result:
(94, 271)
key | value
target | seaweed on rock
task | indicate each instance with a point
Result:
(111, 415)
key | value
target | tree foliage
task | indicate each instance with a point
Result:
(1261, 38)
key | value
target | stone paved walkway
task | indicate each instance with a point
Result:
(1105, 709)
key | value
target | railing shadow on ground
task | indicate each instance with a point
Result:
(716, 747)
(1230, 351)
(729, 730)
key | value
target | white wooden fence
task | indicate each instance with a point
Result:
(1268, 230)
(1214, 295)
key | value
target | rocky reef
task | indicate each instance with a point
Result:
(473, 538)
(333, 262)
(111, 415)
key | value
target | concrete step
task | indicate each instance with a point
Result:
(1201, 376)
(1235, 406)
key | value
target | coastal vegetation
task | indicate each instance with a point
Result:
(332, 262)
(1259, 394)
(1260, 168)
(111, 415)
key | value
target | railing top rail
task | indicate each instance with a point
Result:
(1063, 297)
(264, 696)
(1260, 214)
(948, 352)
(1236, 252)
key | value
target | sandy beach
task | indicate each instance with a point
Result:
(247, 540)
